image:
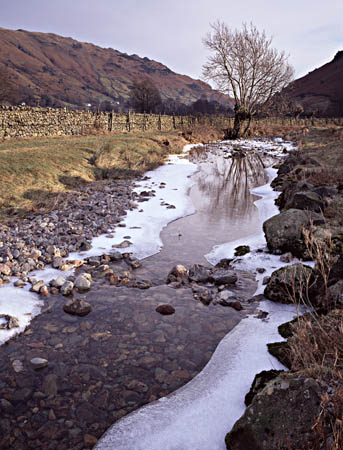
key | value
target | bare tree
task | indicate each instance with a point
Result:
(145, 97)
(244, 64)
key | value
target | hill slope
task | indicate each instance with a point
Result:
(321, 90)
(76, 73)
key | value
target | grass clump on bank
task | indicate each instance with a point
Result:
(36, 170)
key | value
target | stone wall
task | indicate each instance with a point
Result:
(16, 122)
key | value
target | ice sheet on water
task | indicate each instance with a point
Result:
(18, 303)
(197, 416)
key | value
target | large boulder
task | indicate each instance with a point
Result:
(284, 231)
(294, 283)
(306, 200)
(281, 416)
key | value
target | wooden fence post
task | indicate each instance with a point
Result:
(144, 122)
(159, 123)
(128, 121)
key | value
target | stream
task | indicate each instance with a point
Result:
(124, 355)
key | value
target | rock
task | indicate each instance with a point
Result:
(281, 416)
(84, 246)
(265, 280)
(280, 350)
(143, 284)
(261, 314)
(225, 295)
(82, 283)
(36, 287)
(115, 255)
(179, 273)
(44, 291)
(235, 305)
(19, 283)
(39, 363)
(225, 263)
(286, 329)
(58, 283)
(5, 270)
(203, 294)
(335, 295)
(260, 269)
(57, 262)
(165, 309)
(133, 262)
(89, 440)
(306, 200)
(284, 231)
(49, 386)
(67, 288)
(10, 322)
(294, 283)
(286, 258)
(260, 381)
(242, 250)
(77, 307)
(124, 244)
(17, 366)
(199, 273)
(326, 191)
(223, 276)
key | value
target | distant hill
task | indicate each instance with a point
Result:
(55, 69)
(321, 91)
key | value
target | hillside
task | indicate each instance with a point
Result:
(71, 73)
(322, 89)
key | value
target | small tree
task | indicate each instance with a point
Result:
(244, 64)
(145, 97)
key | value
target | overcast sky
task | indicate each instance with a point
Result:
(171, 32)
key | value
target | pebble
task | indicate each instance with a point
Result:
(39, 363)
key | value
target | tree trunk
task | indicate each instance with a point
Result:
(236, 132)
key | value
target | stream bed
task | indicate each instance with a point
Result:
(124, 355)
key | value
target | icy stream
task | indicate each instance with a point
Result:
(198, 416)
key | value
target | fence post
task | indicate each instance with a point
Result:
(174, 123)
(144, 122)
(110, 121)
(159, 123)
(128, 121)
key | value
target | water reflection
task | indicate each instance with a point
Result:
(225, 182)
(225, 207)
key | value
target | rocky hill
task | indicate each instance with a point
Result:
(55, 70)
(321, 91)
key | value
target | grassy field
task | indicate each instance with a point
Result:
(34, 169)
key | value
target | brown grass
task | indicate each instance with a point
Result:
(36, 171)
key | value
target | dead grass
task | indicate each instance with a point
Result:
(316, 350)
(34, 171)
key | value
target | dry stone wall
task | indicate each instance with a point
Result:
(17, 122)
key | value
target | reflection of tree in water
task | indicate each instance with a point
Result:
(226, 182)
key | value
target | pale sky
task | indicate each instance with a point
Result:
(171, 32)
